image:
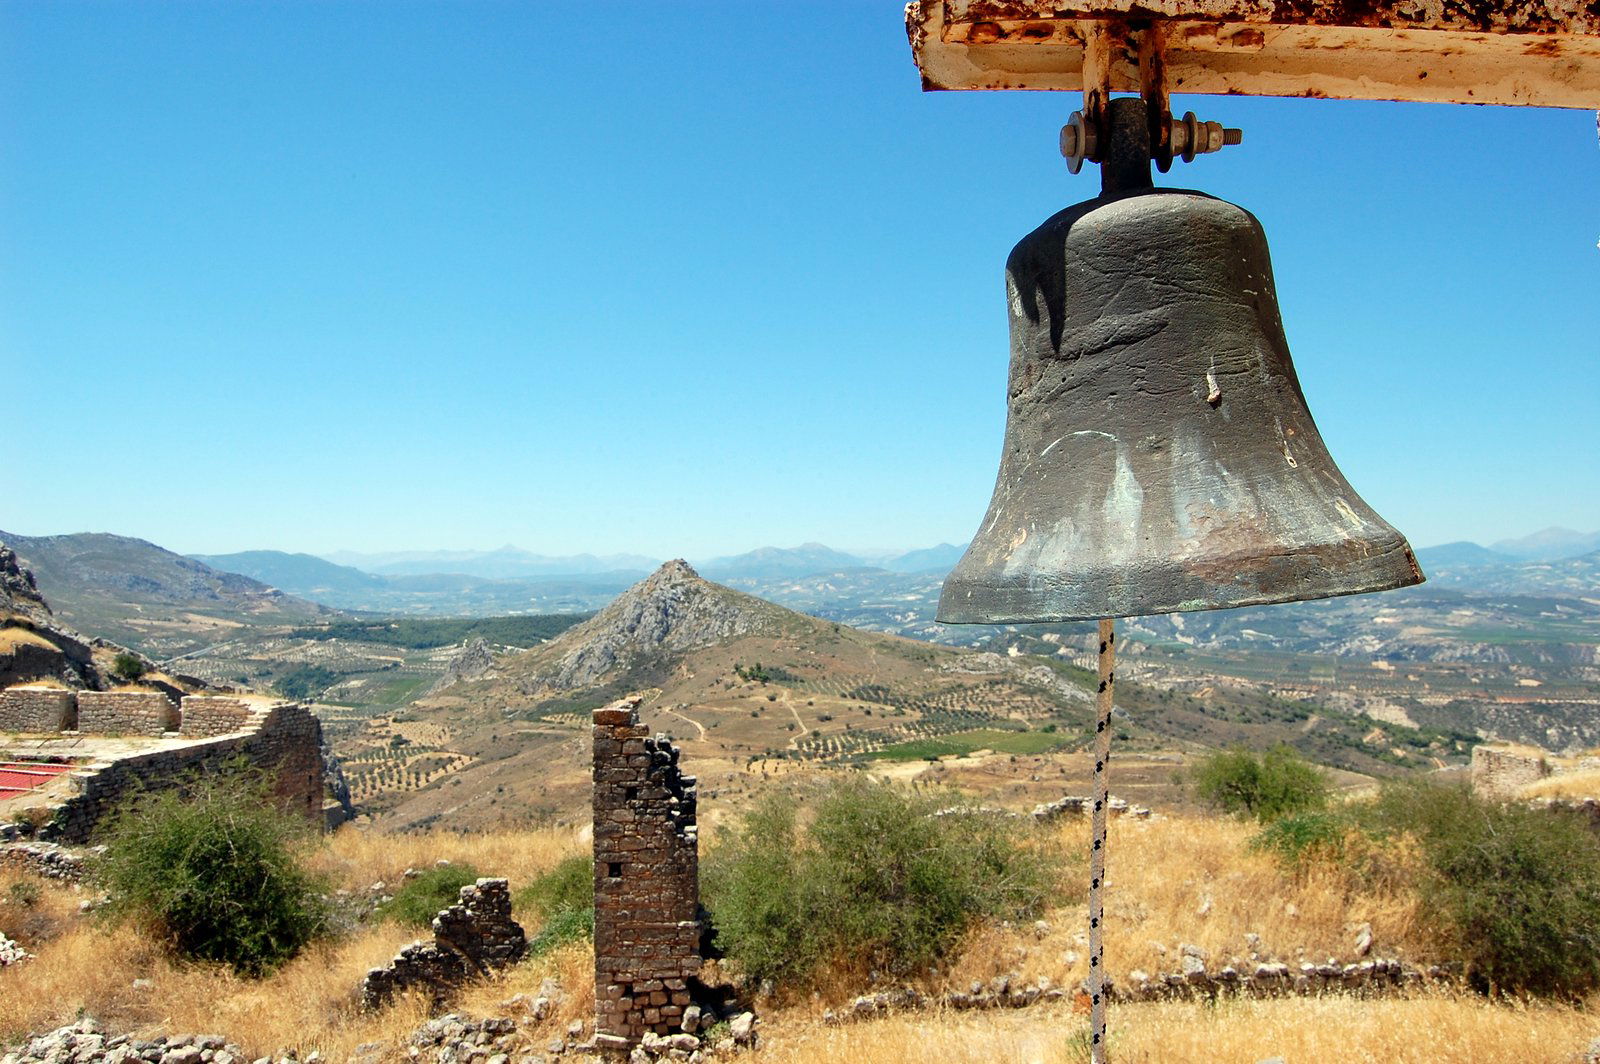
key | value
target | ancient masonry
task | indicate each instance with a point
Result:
(282, 738)
(646, 880)
(1502, 771)
(473, 937)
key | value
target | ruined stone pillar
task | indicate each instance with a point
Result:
(646, 880)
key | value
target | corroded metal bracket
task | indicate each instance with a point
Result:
(1543, 53)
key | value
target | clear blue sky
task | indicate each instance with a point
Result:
(689, 279)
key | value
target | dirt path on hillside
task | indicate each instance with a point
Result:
(698, 726)
(794, 744)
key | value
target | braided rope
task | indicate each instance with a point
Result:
(1097, 855)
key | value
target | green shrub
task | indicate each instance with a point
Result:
(126, 666)
(564, 899)
(420, 898)
(880, 878)
(214, 872)
(1264, 786)
(1299, 839)
(1512, 890)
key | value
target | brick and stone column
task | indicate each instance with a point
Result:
(646, 880)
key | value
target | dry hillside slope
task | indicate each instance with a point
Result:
(747, 687)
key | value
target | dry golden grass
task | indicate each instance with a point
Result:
(356, 859)
(84, 968)
(1173, 881)
(1161, 873)
(1565, 785)
(1425, 1029)
(11, 638)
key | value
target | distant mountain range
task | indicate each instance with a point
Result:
(142, 595)
(1549, 545)
(511, 580)
(506, 563)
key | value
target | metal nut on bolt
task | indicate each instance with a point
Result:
(1190, 136)
(1078, 142)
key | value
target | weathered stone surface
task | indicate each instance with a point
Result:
(37, 709)
(87, 1041)
(646, 879)
(206, 715)
(473, 937)
(126, 713)
(1502, 772)
(284, 739)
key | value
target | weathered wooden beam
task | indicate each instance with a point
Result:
(1543, 53)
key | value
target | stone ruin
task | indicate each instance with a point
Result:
(646, 883)
(1502, 771)
(473, 937)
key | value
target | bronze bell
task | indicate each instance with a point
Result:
(1159, 456)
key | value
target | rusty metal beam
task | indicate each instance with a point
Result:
(1543, 53)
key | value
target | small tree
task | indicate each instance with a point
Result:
(213, 870)
(880, 878)
(1512, 891)
(126, 666)
(1263, 786)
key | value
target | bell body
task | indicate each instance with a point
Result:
(1159, 456)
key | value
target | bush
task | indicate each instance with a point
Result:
(1300, 839)
(214, 872)
(564, 899)
(126, 666)
(1264, 786)
(420, 898)
(1512, 890)
(879, 879)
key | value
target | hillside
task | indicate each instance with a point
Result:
(141, 595)
(751, 689)
(37, 647)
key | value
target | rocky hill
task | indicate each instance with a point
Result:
(152, 599)
(749, 689)
(35, 646)
(668, 614)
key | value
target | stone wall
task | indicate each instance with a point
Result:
(646, 879)
(284, 739)
(1502, 771)
(473, 937)
(206, 715)
(126, 713)
(37, 709)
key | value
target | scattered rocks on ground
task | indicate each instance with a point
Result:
(454, 1039)
(87, 1041)
(48, 860)
(10, 952)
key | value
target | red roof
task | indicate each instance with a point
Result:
(19, 777)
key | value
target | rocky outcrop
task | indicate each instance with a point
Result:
(670, 612)
(474, 662)
(19, 592)
(337, 788)
(33, 644)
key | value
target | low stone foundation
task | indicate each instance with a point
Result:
(283, 740)
(149, 713)
(473, 937)
(38, 709)
(206, 715)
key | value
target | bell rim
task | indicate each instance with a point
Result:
(1008, 604)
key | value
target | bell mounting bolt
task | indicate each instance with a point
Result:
(1087, 135)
